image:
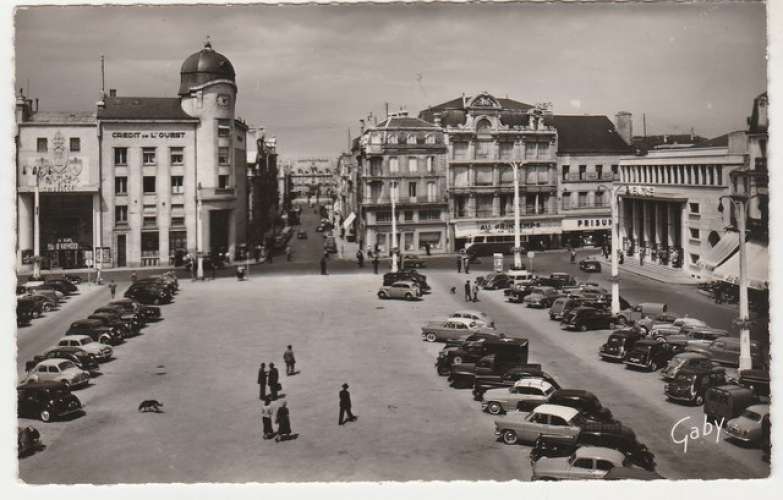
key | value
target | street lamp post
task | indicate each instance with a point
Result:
(199, 235)
(37, 222)
(615, 231)
(393, 193)
(517, 238)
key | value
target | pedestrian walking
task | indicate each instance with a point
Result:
(620, 256)
(475, 291)
(213, 267)
(467, 265)
(290, 361)
(375, 263)
(641, 256)
(345, 406)
(273, 380)
(468, 297)
(323, 263)
(288, 253)
(258, 253)
(360, 258)
(262, 381)
(427, 247)
(283, 421)
(459, 264)
(112, 288)
(267, 412)
(573, 256)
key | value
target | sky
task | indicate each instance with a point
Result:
(308, 74)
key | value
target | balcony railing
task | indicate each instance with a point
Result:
(591, 177)
(583, 206)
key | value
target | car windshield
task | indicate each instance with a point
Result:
(752, 415)
(65, 365)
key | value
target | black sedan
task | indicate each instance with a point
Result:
(590, 266)
(147, 293)
(46, 401)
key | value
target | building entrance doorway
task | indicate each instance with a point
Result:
(218, 230)
(122, 259)
(66, 229)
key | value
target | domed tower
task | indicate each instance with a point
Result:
(208, 92)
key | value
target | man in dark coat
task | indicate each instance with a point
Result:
(459, 263)
(467, 264)
(262, 381)
(375, 263)
(323, 263)
(360, 258)
(273, 378)
(283, 420)
(468, 295)
(345, 406)
(290, 361)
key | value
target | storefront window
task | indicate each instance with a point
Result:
(433, 238)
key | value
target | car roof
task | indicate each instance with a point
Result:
(565, 412)
(533, 382)
(759, 408)
(470, 311)
(53, 361)
(75, 337)
(600, 452)
(691, 355)
(467, 321)
(570, 393)
(89, 322)
(67, 348)
(404, 282)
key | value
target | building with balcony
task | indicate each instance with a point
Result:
(404, 158)
(670, 206)
(142, 181)
(588, 156)
(345, 206)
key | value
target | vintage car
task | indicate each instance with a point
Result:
(757, 380)
(96, 330)
(407, 290)
(407, 275)
(618, 344)
(411, 261)
(688, 322)
(558, 280)
(585, 402)
(747, 427)
(41, 304)
(632, 314)
(686, 360)
(491, 342)
(498, 281)
(450, 329)
(587, 318)
(726, 402)
(477, 316)
(66, 285)
(148, 293)
(58, 370)
(517, 293)
(112, 320)
(102, 352)
(81, 358)
(590, 266)
(587, 462)
(541, 297)
(46, 401)
(27, 309)
(52, 295)
(524, 395)
(544, 419)
(28, 441)
(131, 320)
(701, 336)
(514, 355)
(652, 355)
(485, 382)
(615, 436)
(661, 332)
(147, 313)
(726, 351)
(690, 384)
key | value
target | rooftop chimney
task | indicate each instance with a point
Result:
(23, 110)
(112, 92)
(624, 125)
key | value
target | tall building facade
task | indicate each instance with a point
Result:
(311, 179)
(404, 158)
(165, 176)
(263, 186)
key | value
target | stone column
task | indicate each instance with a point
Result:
(536, 205)
(647, 234)
(634, 220)
(24, 230)
(471, 211)
(496, 205)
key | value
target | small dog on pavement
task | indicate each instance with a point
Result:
(453, 290)
(150, 405)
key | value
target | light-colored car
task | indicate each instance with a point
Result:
(524, 395)
(587, 462)
(541, 296)
(688, 321)
(477, 316)
(407, 290)
(451, 329)
(58, 370)
(102, 352)
(747, 427)
(545, 419)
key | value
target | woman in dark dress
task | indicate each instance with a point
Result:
(283, 422)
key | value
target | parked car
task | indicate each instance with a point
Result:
(727, 401)
(588, 318)
(702, 336)
(132, 320)
(65, 286)
(635, 313)
(544, 419)
(102, 352)
(31, 306)
(517, 293)
(56, 297)
(590, 266)
(726, 351)
(78, 356)
(464, 374)
(586, 402)
(662, 332)
(46, 401)
(407, 290)
(61, 371)
(652, 355)
(148, 293)
(619, 343)
(686, 360)
(615, 436)
(476, 316)
(112, 321)
(411, 261)
(407, 275)
(587, 462)
(96, 330)
(498, 281)
(27, 441)
(484, 382)
(690, 384)
(747, 427)
(757, 381)
(558, 280)
(441, 331)
(471, 352)
(158, 281)
(541, 297)
(524, 395)
(148, 313)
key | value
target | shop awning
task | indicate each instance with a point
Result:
(718, 254)
(758, 267)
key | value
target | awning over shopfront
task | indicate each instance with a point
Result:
(506, 228)
(758, 267)
(718, 254)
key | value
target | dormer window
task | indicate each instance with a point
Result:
(392, 139)
(484, 126)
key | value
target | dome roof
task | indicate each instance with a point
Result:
(204, 66)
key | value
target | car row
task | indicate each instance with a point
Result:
(36, 298)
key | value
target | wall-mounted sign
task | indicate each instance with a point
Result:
(587, 224)
(63, 244)
(147, 135)
(529, 228)
(640, 190)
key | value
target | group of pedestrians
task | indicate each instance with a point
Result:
(463, 261)
(471, 291)
(281, 414)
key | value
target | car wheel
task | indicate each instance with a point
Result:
(494, 408)
(156, 301)
(583, 327)
(509, 437)
(45, 416)
(699, 400)
(457, 360)
(47, 307)
(382, 295)
(660, 339)
(408, 296)
(621, 321)
(431, 337)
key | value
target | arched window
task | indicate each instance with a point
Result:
(430, 139)
(713, 238)
(391, 139)
(483, 126)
